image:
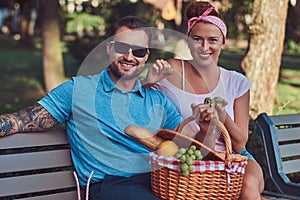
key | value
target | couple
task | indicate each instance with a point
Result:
(98, 108)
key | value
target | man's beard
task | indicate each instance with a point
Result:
(132, 74)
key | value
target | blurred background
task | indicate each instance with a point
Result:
(67, 30)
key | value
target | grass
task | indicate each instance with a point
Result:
(21, 77)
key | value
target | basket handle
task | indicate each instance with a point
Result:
(220, 125)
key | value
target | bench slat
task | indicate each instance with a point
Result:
(72, 195)
(289, 150)
(57, 137)
(289, 134)
(285, 119)
(275, 142)
(291, 166)
(35, 160)
(36, 183)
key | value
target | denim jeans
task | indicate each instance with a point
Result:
(137, 187)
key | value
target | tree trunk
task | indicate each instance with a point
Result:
(25, 9)
(52, 54)
(261, 63)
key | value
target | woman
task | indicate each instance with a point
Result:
(193, 80)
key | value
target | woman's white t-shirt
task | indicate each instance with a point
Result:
(231, 86)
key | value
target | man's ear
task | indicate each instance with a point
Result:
(147, 54)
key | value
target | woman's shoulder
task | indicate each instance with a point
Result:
(175, 63)
(234, 78)
(232, 74)
(176, 75)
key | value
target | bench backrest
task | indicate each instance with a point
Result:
(36, 166)
(281, 139)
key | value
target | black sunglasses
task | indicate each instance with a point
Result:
(123, 48)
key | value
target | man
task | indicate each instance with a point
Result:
(96, 110)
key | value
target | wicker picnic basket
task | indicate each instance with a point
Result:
(218, 176)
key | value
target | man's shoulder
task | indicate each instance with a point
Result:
(156, 94)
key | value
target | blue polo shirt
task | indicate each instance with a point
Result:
(96, 113)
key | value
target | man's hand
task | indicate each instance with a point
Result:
(158, 71)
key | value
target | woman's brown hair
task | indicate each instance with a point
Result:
(196, 8)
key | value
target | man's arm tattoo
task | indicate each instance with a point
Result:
(31, 119)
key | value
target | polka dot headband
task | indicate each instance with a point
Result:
(208, 18)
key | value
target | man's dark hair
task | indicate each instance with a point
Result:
(131, 22)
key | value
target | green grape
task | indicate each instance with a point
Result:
(191, 168)
(208, 100)
(193, 147)
(190, 152)
(178, 155)
(184, 167)
(186, 157)
(199, 157)
(193, 157)
(182, 158)
(218, 100)
(214, 101)
(197, 153)
(182, 150)
(185, 172)
(169, 70)
(189, 161)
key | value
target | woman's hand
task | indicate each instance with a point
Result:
(219, 104)
(220, 107)
(203, 114)
(158, 71)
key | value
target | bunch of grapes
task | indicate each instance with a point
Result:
(187, 157)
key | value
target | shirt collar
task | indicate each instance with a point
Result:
(109, 85)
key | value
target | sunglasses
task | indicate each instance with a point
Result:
(123, 48)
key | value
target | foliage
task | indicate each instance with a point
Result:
(293, 48)
(237, 15)
(21, 77)
(84, 24)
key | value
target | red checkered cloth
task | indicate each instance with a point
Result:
(172, 162)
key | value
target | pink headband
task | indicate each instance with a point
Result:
(208, 18)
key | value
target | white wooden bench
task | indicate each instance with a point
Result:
(36, 166)
(281, 140)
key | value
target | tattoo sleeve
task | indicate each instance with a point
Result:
(31, 119)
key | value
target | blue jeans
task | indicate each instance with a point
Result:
(137, 187)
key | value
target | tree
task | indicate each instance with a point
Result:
(25, 9)
(53, 68)
(261, 63)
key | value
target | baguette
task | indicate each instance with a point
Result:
(144, 136)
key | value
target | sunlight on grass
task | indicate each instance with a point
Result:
(288, 100)
(21, 77)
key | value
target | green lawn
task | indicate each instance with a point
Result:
(21, 77)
